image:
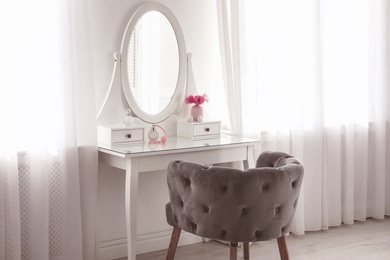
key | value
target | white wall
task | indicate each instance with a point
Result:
(108, 19)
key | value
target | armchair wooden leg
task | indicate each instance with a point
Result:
(283, 248)
(233, 251)
(246, 250)
(173, 244)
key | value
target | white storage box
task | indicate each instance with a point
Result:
(199, 130)
(120, 134)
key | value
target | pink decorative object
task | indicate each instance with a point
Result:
(196, 110)
(197, 113)
(197, 100)
(153, 135)
(190, 99)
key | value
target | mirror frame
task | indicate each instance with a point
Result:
(177, 99)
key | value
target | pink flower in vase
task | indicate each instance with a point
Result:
(196, 110)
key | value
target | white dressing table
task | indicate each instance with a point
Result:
(140, 158)
(135, 79)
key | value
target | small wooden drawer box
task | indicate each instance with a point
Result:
(199, 130)
(119, 134)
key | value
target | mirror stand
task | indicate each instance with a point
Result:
(114, 71)
(191, 89)
(111, 111)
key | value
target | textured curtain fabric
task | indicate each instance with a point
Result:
(48, 154)
(314, 83)
(229, 41)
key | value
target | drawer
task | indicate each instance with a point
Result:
(119, 134)
(206, 129)
(128, 135)
(199, 130)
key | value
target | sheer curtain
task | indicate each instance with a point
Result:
(313, 83)
(48, 155)
(229, 42)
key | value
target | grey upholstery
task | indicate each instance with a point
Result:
(233, 205)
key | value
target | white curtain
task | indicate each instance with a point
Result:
(229, 43)
(314, 83)
(48, 153)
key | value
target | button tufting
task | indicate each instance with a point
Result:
(277, 209)
(244, 211)
(264, 187)
(176, 219)
(188, 182)
(194, 226)
(223, 233)
(181, 203)
(224, 188)
(293, 184)
(257, 233)
(205, 209)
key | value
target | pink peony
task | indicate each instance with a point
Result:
(197, 100)
(190, 99)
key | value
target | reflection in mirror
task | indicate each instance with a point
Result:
(153, 62)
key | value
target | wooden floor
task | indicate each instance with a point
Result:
(367, 240)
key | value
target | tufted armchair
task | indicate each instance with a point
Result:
(233, 205)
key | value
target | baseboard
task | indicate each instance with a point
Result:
(146, 243)
(113, 249)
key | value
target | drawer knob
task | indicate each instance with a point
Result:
(207, 129)
(128, 136)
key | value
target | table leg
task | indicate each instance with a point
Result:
(131, 192)
(249, 162)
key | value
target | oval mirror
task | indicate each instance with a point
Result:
(153, 63)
